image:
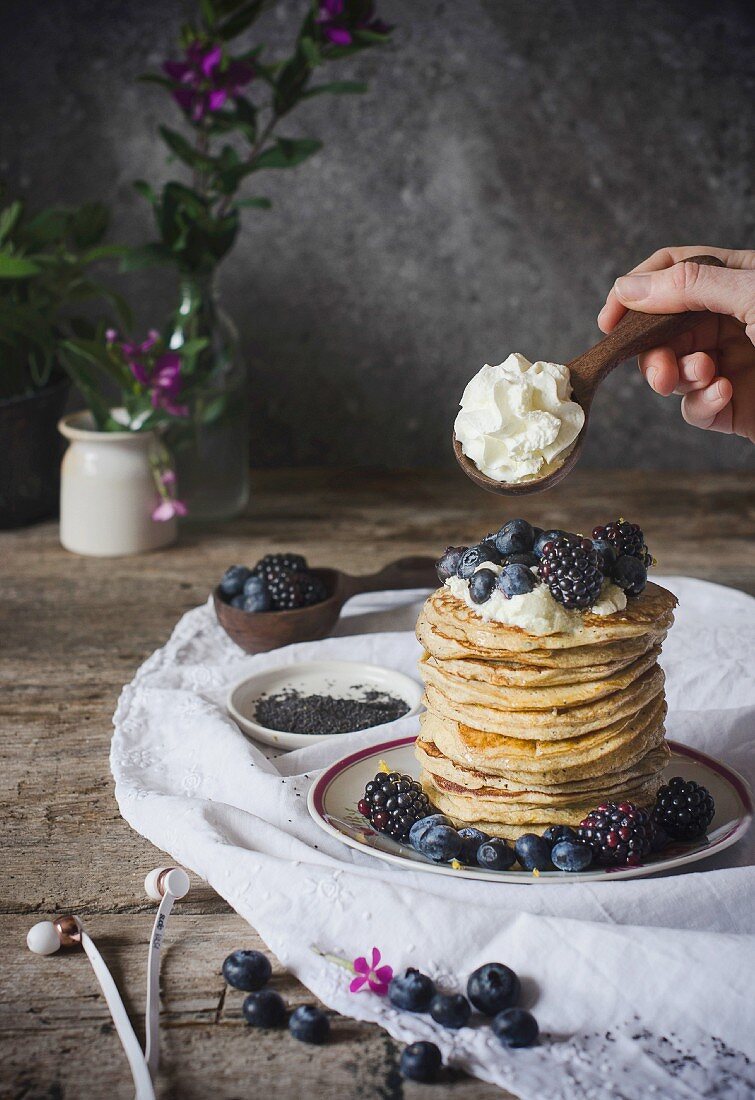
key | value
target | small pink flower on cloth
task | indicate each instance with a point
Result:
(371, 974)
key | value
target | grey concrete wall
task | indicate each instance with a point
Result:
(512, 157)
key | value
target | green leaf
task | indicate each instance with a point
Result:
(238, 22)
(148, 255)
(208, 12)
(310, 49)
(102, 252)
(155, 78)
(146, 191)
(48, 227)
(8, 219)
(337, 87)
(260, 204)
(184, 150)
(88, 224)
(287, 153)
(16, 267)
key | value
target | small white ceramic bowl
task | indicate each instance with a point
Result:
(338, 678)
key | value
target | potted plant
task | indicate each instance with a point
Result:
(46, 262)
(233, 103)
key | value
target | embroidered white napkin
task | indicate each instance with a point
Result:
(642, 988)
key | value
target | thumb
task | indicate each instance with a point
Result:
(688, 285)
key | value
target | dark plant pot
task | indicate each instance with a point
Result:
(31, 453)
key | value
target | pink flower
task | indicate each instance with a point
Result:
(204, 81)
(167, 509)
(375, 976)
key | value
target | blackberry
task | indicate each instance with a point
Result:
(683, 810)
(313, 589)
(272, 565)
(287, 590)
(630, 574)
(619, 833)
(625, 538)
(570, 567)
(392, 803)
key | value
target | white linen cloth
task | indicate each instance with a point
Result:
(644, 987)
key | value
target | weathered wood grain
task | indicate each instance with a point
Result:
(73, 631)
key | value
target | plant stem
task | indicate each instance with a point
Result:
(226, 201)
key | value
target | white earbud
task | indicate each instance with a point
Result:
(48, 936)
(166, 880)
(164, 885)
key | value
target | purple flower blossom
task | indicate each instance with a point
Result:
(167, 509)
(371, 974)
(161, 377)
(338, 19)
(206, 82)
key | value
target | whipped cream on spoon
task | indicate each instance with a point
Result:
(522, 425)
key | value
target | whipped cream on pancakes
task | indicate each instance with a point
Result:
(536, 612)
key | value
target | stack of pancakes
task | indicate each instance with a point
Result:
(524, 731)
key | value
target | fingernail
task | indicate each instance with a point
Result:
(633, 287)
(652, 375)
(713, 393)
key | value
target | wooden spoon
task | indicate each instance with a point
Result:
(635, 333)
(261, 631)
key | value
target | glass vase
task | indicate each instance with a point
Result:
(211, 447)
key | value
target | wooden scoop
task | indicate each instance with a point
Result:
(261, 631)
(635, 333)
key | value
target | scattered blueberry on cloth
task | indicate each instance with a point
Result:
(641, 987)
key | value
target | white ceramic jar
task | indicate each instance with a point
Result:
(108, 492)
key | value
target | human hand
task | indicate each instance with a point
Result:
(712, 365)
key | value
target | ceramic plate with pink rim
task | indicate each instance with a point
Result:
(333, 798)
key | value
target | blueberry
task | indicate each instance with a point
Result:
(419, 828)
(309, 1024)
(256, 594)
(554, 833)
(493, 987)
(238, 601)
(546, 536)
(450, 1010)
(475, 556)
(515, 1027)
(514, 536)
(248, 970)
(420, 1062)
(481, 585)
(413, 992)
(606, 555)
(629, 574)
(440, 843)
(526, 558)
(533, 852)
(471, 839)
(448, 562)
(264, 1009)
(495, 855)
(516, 580)
(233, 580)
(571, 855)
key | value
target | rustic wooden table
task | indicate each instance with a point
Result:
(74, 630)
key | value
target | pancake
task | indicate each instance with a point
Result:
(499, 810)
(515, 671)
(463, 633)
(543, 787)
(486, 690)
(617, 746)
(555, 724)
